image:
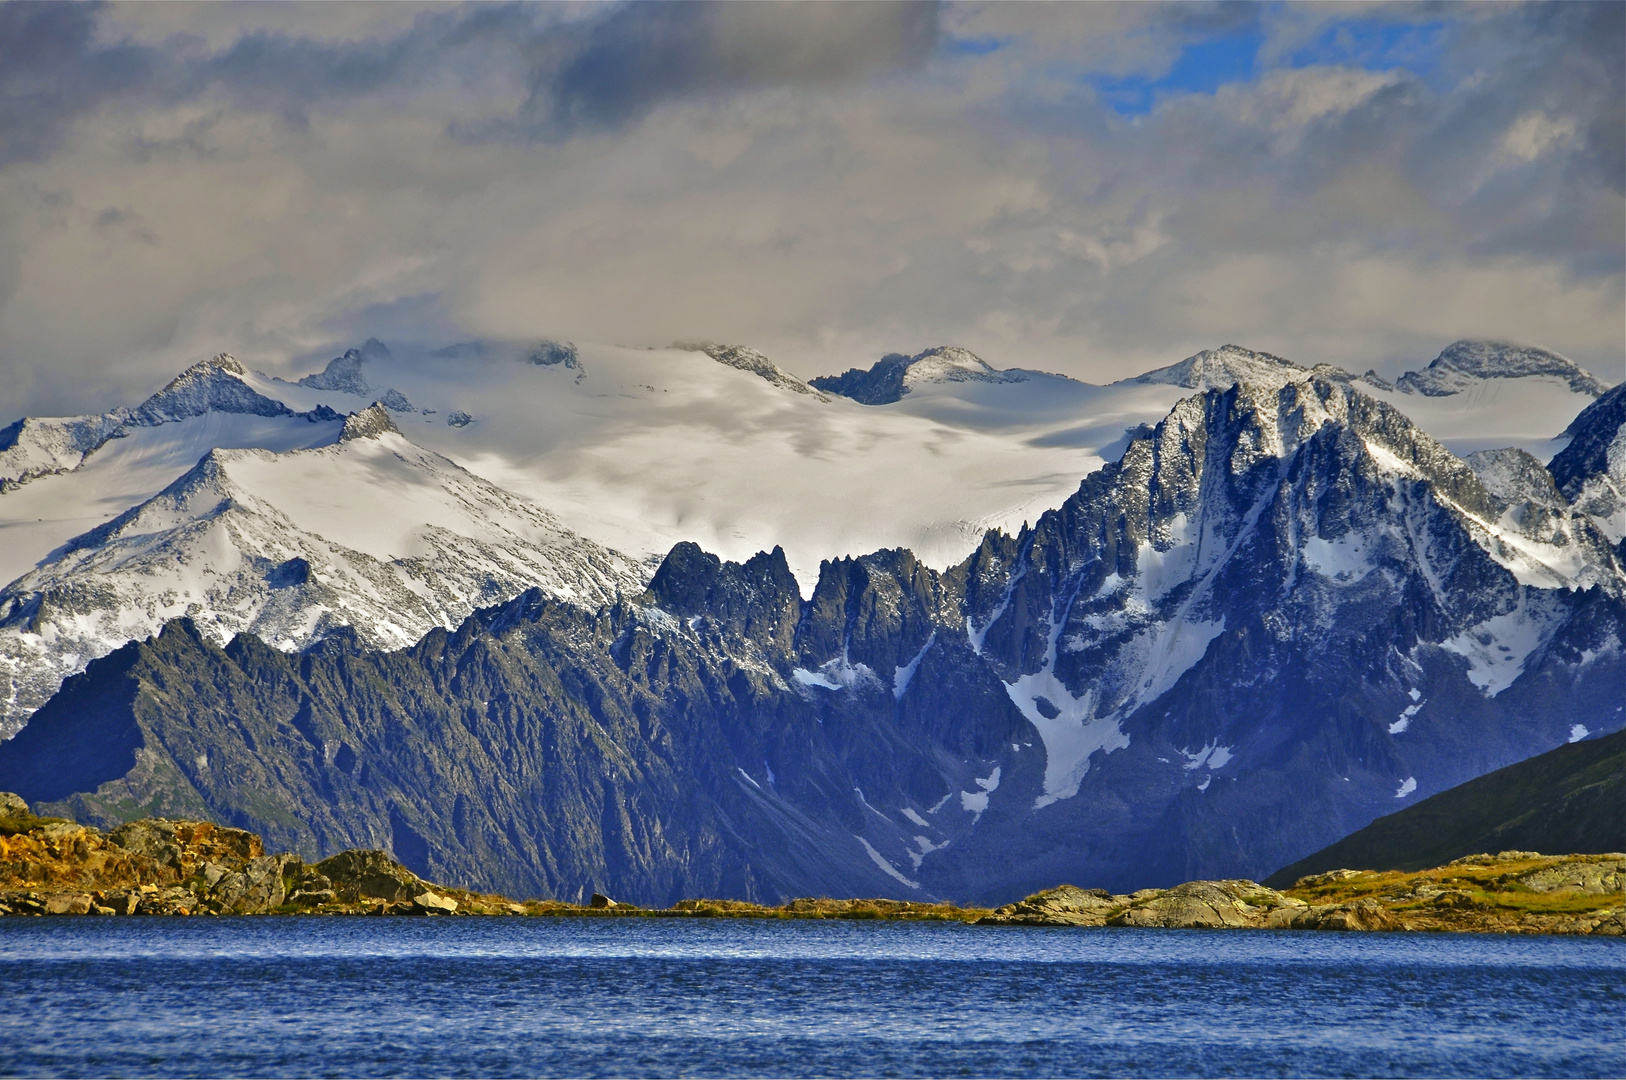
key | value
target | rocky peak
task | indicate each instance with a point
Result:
(1512, 475)
(876, 610)
(758, 600)
(213, 385)
(1591, 470)
(1228, 365)
(344, 373)
(369, 423)
(1463, 364)
(556, 354)
(895, 374)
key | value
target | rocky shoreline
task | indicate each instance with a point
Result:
(1520, 892)
(158, 867)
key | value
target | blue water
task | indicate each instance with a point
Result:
(635, 997)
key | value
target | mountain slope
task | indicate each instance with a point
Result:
(1568, 800)
(1281, 613)
(370, 532)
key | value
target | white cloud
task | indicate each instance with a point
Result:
(1534, 134)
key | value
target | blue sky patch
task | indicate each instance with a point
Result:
(1207, 64)
(1203, 67)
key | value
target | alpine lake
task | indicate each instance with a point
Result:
(346, 996)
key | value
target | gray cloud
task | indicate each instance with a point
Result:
(826, 183)
(648, 52)
(53, 71)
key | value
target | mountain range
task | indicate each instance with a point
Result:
(1264, 604)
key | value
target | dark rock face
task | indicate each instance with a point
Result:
(1591, 435)
(1283, 613)
(882, 384)
(553, 353)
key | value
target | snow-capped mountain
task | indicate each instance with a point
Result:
(1485, 395)
(1279, 613)
(894, 375)
(370, 532)
(34, 447)
(629, 450)
(1463, 365)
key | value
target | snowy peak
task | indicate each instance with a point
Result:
(1464, 364)
(345, 374)
(34, 447)
(738, 356)
(369, 423)
(1229, 365)
(1268, 527)
(894, 375)
(949, 363)
(213, 385)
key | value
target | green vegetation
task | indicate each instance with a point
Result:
(1567, 800)
(16, 824)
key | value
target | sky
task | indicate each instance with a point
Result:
(1094, 189)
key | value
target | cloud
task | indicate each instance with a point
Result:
(646, 53)
(825, 183)
(1533, 134)
(54, 72)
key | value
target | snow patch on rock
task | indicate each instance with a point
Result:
(1497, 648)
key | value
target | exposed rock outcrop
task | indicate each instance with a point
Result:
(158, 867)
(1514, 892)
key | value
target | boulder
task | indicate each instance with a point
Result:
(68, 904)
(599, 900)
(1065, 905)
(13, 805)
(369, 874)
(122, 903)
(434, 904)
